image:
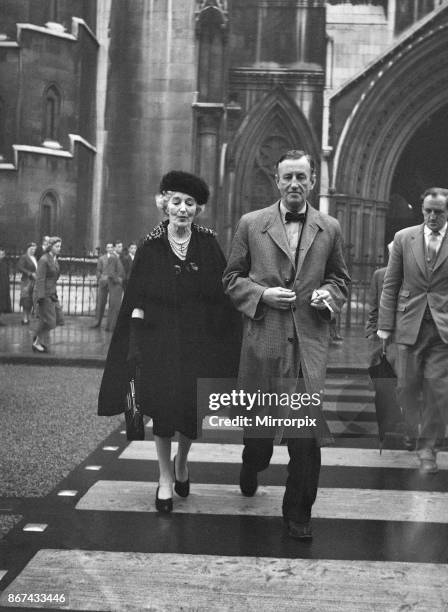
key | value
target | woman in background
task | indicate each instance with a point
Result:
(27, 265)
(45, 294)
(5, 296)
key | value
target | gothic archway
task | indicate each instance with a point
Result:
(406, 87)
(273, 126)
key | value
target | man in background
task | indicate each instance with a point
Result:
(413, 307)
(110, 276)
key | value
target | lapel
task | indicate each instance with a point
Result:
(417, 243)
(275, 228)
(312, 225)
(442, 254)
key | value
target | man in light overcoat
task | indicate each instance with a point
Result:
(414, 313)
(286, 274)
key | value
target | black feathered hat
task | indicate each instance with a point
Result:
(193, 185)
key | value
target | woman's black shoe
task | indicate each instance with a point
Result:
(164, 506)
(181, 488)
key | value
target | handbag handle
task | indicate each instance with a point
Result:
(135, 386)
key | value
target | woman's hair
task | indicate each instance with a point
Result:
(52, 241)
(30, 244)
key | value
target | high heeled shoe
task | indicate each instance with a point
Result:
(181, 488)
(164, 506)
(38, 347)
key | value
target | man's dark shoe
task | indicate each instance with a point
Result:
(248, 481)
(299, 531)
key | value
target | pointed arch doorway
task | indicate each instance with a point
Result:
(275, 125)
(422, 164)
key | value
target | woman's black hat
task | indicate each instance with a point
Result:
(193, 185)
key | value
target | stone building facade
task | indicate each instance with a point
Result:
(98, 98)
(48, 54)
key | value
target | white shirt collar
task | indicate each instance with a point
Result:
(442, 231)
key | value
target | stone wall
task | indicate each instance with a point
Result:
(149, 128)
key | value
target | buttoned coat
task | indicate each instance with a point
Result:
(181, 341)
(276, 343)
(410, 285)
(28, 268)
(45, 292)
(46, 277)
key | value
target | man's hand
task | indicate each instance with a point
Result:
(320, 299)
(383, 334)
(278, 297)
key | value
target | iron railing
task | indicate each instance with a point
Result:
(77, 286)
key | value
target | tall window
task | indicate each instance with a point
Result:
(52, 110)
(48, 214)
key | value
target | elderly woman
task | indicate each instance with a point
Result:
(45, 294)
(27, 265)
(177, 325)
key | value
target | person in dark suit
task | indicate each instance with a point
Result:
(45, 294)
(110, 275)
(128, 260)
(27, 265)
(175, 326)
(5, 296)
(376, 287)
(286, 274)
(413, 308)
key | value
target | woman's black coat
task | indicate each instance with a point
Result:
(181, 342)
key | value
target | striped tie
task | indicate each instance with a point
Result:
(432, 246)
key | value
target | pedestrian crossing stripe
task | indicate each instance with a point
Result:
(331, 456)
(99, 580)
(334, 503)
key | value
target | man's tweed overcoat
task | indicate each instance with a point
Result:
(277, 343)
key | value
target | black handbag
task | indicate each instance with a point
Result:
(135, 428)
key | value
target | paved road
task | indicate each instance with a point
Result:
(380, 530)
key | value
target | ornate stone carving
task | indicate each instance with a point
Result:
(211, 13)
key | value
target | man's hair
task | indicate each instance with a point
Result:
(117, 242)
(132, 244)
(297, 154)
(434, 192)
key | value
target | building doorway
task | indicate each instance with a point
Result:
(423, 164)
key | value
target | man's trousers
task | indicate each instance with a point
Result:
(303, 472)
(422, 371)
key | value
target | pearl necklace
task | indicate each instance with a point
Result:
(179, 247)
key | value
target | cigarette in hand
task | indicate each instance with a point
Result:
(327, 305)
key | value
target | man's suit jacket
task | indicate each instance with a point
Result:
(110, 269)
(410, 286)
(277, 342)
